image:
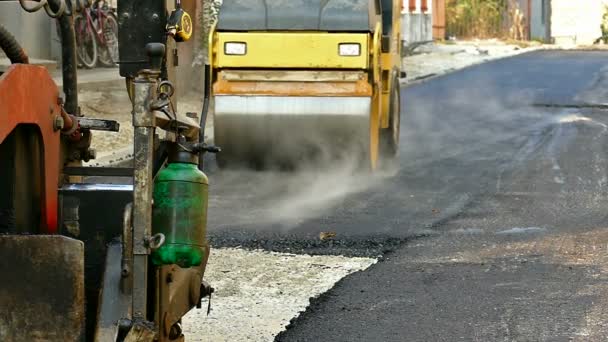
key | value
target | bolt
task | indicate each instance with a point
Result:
(57, 122)
(90, 154)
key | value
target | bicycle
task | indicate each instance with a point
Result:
(96, 30)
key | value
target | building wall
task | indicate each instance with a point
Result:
(32, 30)
(417, 25)
(539, 19)
(576, 22)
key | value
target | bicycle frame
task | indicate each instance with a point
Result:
(101, 21)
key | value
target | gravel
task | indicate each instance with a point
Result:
(259, 292)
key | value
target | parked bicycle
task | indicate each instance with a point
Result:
(96, 30)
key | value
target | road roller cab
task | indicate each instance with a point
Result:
(300, 77)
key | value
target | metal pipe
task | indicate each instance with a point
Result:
(68, 64)
(143, 123)
(127, 250)
(205, 110)
(68, 55)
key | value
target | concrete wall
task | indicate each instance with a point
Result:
(539, 20)
(32, 30)
(576, 22)
(417, 26)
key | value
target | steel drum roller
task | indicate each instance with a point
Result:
(279, 130)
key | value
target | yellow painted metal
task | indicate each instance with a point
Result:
(391, 62)
(288, 50)
(374, 130)
(307, 58)
(375, 53)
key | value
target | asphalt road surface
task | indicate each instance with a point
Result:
(491, 228)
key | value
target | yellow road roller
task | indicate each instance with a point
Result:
(298, 79)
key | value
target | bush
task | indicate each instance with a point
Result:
(476, 18)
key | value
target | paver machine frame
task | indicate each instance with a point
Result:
(294, 79)
(100, 253)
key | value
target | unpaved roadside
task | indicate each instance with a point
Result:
(259, 292)
(438, 59)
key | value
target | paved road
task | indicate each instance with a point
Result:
(491, 227)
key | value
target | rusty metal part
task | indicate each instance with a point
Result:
(42, 288)
(68, 121)
(288, 88)
(187, 126)
(141, 331)
(114, 302)
(17, 108)
(179, 290)
(98, 124)
(68, 64)
(143, 122)
(126, 282)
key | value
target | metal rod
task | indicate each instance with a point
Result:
(98, 171)
(86, 187)
(68, 63)
(127, 251)
(205, 110)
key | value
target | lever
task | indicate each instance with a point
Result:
(156, 53)
(202, 147)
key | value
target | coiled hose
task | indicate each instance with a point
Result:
(11, 47)
(56, 8)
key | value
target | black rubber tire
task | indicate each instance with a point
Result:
(87, 55)
(108, 54)
(389, 137)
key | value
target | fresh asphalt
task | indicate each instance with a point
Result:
(490, 228)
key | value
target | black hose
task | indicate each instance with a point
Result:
(68, 58)
(205, 111)
(11, 47)
(68, 64)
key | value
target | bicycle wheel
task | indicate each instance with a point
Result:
(108, 52)
(86, 43)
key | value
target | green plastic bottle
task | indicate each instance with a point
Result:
(180, 212)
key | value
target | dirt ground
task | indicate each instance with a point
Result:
(112, 103)
(259, 292)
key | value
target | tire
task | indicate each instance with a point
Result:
(389, 137)
(86, 43)
(108, 53)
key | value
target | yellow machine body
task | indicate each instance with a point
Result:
(279, 95)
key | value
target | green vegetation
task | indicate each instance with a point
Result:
(476, 18)
(604, 27)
